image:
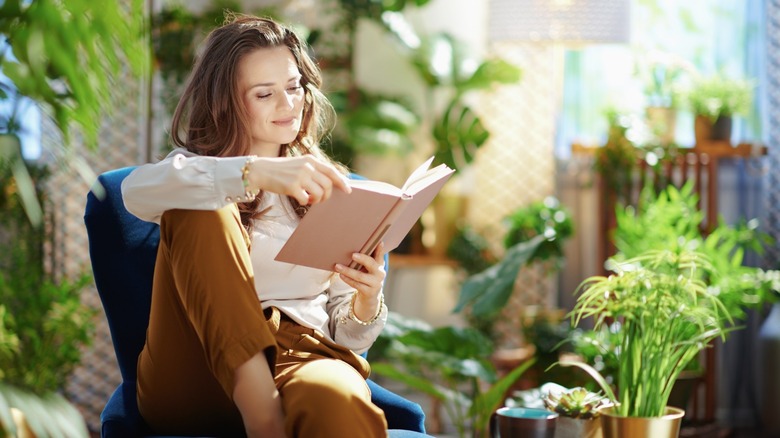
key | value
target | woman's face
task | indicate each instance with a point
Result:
(270, 84)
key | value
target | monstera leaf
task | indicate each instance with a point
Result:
(458, 134)
(443, 65)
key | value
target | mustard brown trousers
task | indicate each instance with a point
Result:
(206, 320)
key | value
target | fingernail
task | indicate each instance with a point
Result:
(339, 267)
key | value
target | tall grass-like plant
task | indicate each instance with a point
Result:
(667, 317)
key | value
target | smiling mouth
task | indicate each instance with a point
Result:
(284, 122)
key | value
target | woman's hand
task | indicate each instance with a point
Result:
(305, 178)
(367, 281)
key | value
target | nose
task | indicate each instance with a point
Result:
(286, 101)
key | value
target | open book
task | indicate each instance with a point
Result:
(357, 222)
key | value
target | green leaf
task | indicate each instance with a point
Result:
(418, 383)
(459, 134)
(68, 52)
(48, 415)
(379, 113)
(487, 402)
(458, 342)
(7, 425)
(489, 73)
(11, 151)
(433, 60)
(379, 125)
(489, 291)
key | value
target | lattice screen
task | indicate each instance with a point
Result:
(516, 166)
(120, 142)
(773, 91)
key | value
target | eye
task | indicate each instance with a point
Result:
(295, 88)
(263, 96)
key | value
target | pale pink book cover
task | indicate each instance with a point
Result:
(346, 223)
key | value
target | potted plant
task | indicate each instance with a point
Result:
(450, 364)
(578, 409)
(714, 101)
(616, 160)
(666, 318)
(662, 74)
(671, 218)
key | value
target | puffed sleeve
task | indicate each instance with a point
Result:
(183, 180)
(346, 331)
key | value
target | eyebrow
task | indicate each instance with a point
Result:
(269, 84)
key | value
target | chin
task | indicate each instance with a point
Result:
(288, 139)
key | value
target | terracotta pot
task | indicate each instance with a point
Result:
(705, 129)
(666, 426)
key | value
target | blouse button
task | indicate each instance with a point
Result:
(228, 199)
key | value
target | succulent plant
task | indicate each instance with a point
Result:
(575, 403)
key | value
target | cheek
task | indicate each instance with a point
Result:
(255, 110)
(299, 103)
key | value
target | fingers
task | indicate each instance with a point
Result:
(379, 253)
(322, 187)
(368, 281)
(305, 178)
(334, 176)
(302, 196)
(321, 180)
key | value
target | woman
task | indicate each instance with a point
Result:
(247, 167)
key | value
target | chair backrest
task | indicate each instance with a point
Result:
(123, 250)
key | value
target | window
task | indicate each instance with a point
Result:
(714, 36)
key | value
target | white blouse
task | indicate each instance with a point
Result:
(312, 297)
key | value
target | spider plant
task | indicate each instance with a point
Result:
(666, 318)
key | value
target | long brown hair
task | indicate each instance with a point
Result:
(210, 118)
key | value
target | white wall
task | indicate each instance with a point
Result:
(381, 68)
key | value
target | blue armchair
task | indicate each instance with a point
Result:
(123, 250)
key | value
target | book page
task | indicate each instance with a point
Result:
(375, 186)
(417, 174)
(414, 205)
(427, 179)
